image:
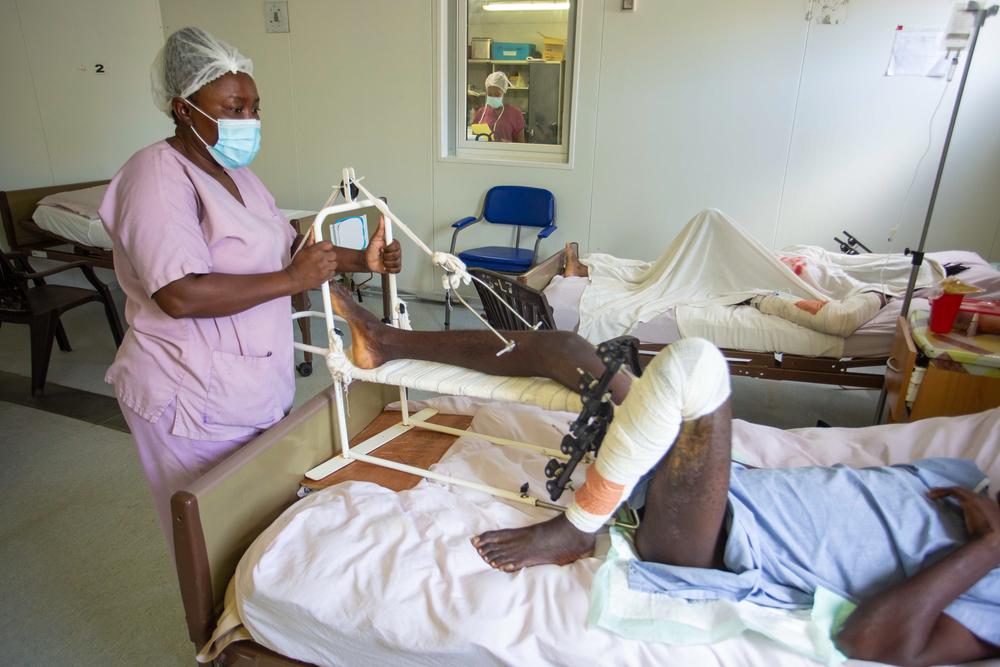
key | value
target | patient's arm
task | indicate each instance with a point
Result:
(905, 624)
(988, 324)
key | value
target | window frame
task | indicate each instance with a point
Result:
(453, 86)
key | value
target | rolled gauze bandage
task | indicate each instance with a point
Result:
(686, 381)
(454, 270)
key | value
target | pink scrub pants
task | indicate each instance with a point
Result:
(172, 462)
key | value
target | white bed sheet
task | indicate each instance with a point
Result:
(72, 226)
(89, 231)
(358, 575)
(872, 339)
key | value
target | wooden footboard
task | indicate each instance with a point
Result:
(219, 515)
(541, 274)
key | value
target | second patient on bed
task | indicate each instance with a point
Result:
(669, 447)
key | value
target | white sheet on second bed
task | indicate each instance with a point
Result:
(357, 574)
(873, 339)
(89, 231)
(72, 226)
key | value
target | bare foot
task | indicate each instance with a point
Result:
(366, 330)
(573, 265)
(555, 541)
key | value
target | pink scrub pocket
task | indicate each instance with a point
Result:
(241, 391)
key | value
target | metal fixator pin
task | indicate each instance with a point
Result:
(507, 348)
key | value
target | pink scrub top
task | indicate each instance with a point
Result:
(230, 376)
(510, 122)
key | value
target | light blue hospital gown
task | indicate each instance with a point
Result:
(852, 531)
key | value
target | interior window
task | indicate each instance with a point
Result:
(515, 73)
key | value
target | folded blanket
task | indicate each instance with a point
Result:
(83, 202)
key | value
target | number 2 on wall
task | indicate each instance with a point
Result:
(99, 68)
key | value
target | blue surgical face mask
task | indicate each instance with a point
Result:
(495, 102)
(238, 142)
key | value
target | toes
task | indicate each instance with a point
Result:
(490, 539)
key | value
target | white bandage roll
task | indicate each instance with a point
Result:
(686, 381)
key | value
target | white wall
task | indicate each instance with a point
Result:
(335, 92)
(737, 104)
(64, 125)
(858, 137)
(63, 122)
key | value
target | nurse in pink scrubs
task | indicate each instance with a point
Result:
(203, 255)
(505, 121)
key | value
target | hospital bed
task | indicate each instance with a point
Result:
(56, 233)
(865, 352)
(218, 517)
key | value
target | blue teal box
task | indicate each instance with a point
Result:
(511, 51)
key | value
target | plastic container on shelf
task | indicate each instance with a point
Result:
(511, 50)
(553, 48)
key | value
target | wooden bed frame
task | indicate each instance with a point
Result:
(23, 235)
(524, 292)
(220, 514)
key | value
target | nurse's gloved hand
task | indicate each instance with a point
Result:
(379, 257)
(313, 266)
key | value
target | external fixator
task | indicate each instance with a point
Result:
(851, 245)
(587, 432)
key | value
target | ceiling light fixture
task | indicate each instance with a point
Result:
(529, 6)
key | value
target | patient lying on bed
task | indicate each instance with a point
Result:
(714, 262)
(918, 546)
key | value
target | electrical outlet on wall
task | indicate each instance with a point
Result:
(628, 5)
(276, 16)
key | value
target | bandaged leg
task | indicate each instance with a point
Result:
(838, 318)
(684, 390)
(685, 382)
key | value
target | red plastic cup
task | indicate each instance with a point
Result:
(944, 309)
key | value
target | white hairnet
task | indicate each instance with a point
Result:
(189, 59)
(498, 79)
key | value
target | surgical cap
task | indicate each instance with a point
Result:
(498, 79)
(189, 59)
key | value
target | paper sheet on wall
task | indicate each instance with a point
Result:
(917, 53)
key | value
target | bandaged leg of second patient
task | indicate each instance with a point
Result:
(686, 381)
(837, 318)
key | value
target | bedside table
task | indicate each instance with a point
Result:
(938, 375)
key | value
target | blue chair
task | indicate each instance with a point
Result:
(507, 205)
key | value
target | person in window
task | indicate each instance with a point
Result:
(204, 258)
(505, 121)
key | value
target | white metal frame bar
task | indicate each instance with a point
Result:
(362, 451)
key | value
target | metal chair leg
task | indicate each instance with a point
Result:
(447, 309)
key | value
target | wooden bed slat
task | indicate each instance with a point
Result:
(417, 447)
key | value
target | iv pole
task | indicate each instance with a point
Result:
(918, 254)
(981, 14)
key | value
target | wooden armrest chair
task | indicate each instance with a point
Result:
(25, 298)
